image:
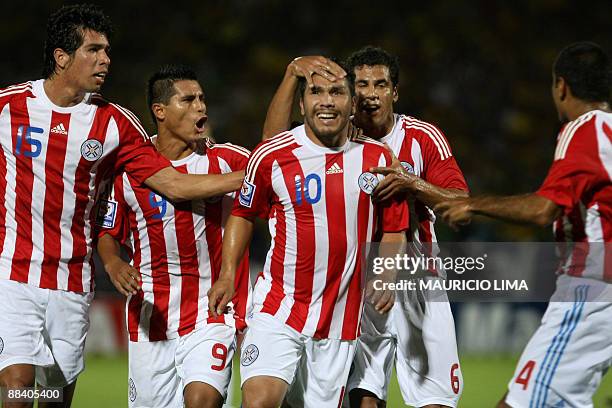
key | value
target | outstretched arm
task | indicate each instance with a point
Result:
(278, 118)
(526, 209)
(236, 239)
(177, 186)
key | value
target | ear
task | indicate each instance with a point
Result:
(395, 94)
(561, 88)
(159, 111)
(62, 58)
(302, 111)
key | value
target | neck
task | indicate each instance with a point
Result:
(378, 132)
(170, 146)
(331, 141)
(61, 93)
(579, 108)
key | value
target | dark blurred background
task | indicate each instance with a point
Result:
(479, 70)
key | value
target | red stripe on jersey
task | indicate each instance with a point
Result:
(81, 190)
(2, 193)
(277, 265)
(355, 293)
(336, 235)
(214, 239)
(188, 257)
(304, 224)
(20, 122)
(159, 267)
(52, 214)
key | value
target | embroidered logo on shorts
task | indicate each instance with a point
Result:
(107, 212)
(1, 345)
(91, 150)
(408, 167)
(246, 194)
(367, 182)
(249, 355)
(132, 390)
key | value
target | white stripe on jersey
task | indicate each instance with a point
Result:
(133, 120)
(604, 146)
(434, 135)
(568, 134)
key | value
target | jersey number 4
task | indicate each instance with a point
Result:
(525, 374)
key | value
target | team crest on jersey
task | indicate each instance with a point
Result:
(1, 345)
(249, 355)
(246, 194)
(368, 182)
(91, 150)
(408, 167)
(132, 394)
(107, 213)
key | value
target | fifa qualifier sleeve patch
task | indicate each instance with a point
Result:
(246, 194)
(107, 214)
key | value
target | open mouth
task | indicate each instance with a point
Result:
(327, 116)
(199, 125)
(369, 108)
(101, 75)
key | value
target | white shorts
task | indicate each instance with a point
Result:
(320, 368)
(420, 338)
(160, 370)
(563, 363)
(45, 328)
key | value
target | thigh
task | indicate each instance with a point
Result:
(205, 356)
(153, 378)
(566, 358)
(374, 354)
(22, 323)
(427, 365)
(66, 326)
(322, 374)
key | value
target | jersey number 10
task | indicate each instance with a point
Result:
(304, 191)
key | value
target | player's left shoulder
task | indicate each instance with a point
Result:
(227, 149)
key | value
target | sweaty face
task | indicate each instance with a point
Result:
(374, 98)
(89, 65)
(326, 106)
(185, 113)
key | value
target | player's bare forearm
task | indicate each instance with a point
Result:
(178, 186)
(236, 239)
(430, 194)
(525, 209)
(125, 278)
(278, 118)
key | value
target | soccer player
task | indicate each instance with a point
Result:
(308, 300)
(59, 141)
(177, 252)
(429, 175)
(563, 363)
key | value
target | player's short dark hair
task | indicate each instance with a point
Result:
(302, 81)
(160, 86)
(371, 56)
(586, 69)
(65, 30)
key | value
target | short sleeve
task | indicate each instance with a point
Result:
(235, 156)
(136, 154)
(256, 194)
(575, 171)
(112, 216)
(440, 166)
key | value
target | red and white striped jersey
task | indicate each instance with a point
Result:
(312, 278)
(579, 181)
(177, 249)
(424, 151)
(52, 161)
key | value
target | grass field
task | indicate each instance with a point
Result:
(104, 384)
